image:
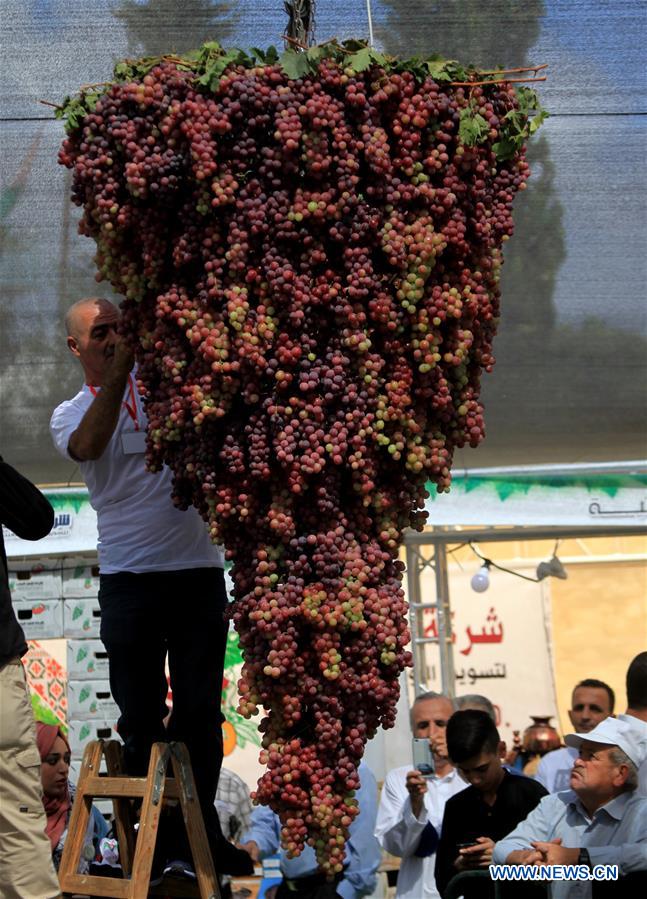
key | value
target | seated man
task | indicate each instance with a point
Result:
(599, 821)
(592, 701)
(302, 878)
(412, 805)
(489, 808)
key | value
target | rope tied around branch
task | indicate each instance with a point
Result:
(301, 21)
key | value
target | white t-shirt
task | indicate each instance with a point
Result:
(398, 831)
(140, 529)
(640, 727)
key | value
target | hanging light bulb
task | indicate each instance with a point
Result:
(481, 580)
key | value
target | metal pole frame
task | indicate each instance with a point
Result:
(439, 539)
(416, 563)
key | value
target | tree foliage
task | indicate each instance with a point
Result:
(161, 26)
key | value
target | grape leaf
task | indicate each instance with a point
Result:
(123, 71)
(215, 68)
(354, 45)
(473, 128)
(315, 54)
(437, 68)
(294, 63)
(271, 55)
(265, 57)
(536, 120)
(504, 148)
(361, 60)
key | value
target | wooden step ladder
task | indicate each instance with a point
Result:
(136, 854)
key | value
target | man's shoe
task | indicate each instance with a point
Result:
(179, 868)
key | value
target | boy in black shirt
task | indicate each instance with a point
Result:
(494, 803)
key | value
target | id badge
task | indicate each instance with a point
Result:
(133, 442)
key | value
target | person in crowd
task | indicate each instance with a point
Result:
(600, 820)
(412, 805)
(475, 701)
(493, 804)
(162, 587)
(58, 796)
(234, 804)
(302, 879)
(26, 865)
(592, 701)
(636, 713)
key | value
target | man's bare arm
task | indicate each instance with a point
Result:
(98, 424)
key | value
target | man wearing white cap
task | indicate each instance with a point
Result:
(600, 820)
(591, 702)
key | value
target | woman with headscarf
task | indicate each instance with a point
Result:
(58, 795)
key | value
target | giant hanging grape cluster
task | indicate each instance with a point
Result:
(311, 269)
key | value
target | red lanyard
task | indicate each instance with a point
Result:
(131, 408)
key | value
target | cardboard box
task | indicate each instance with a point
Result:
(80, 579)
(91, 699)
(86, 660)
(80, 733)
(40, 619)
(81, 618)
(35, 582)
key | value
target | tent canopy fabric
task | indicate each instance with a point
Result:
(569, 384)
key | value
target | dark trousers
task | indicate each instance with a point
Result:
(144, 617)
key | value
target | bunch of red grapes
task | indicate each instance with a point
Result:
(311, 278)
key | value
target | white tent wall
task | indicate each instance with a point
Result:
(569, 384)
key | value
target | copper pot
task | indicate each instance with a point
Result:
(540, 737)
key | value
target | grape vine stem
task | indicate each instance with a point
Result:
(510, 71)
(295, 42)
(500, 80)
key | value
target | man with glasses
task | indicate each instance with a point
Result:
(600, 820)
(592, 701)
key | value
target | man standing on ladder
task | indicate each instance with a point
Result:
(162, 586)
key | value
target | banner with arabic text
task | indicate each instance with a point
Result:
(501, 645)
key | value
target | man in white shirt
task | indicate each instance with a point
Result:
(162, 588)
(412, 806)
(592, 701)
(636, 714)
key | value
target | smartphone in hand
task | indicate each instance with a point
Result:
(423, 759)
